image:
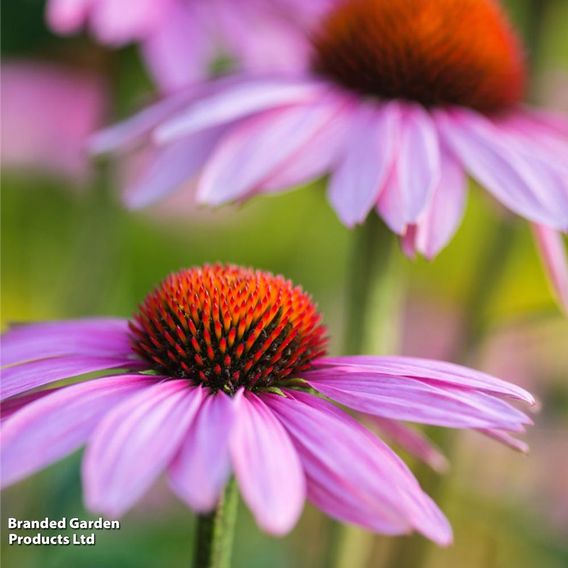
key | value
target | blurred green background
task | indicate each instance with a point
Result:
(70, 250)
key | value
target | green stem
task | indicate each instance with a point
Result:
(371, 326)
(413, 551)
(215, 531)
(373, 291)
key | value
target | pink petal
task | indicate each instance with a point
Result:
(255, 150)
(134, 444)
(13, 405)
(507, 439)
(116, 22)
(53, 426)
(357, 181)
(235, 102)
(67, 16)
(403, 398)
(317, 158)
(174, 164)
(426, 370)
(418, 164)
(525, 184)
(417, 169)
(553, 254)
(97, 337)
(131, 131)
(267, 467)
(352, 475)
(444, 213)
(21, 378)
(180, 50)
(414, 442)
(202, 465)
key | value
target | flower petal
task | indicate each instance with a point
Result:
(416, 172)
(525, 184)
(172, 165)
(134, 444)
(426, 370)
(97, 337)
(131, 131)
(414, 442)
(237, 101)
(404, 398)
(359, 178)
(553, 253)
(267, 467)
(21, 378)
(202, 465)
(67, 16)
(444, 213)
(257, 148)
(57, 424)
(352, 475)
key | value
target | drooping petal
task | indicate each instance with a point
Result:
(525, 184)
(507, 439)
(134, 444)
(361, 174)
(115, 22)
(67, 16)
(57, 424)
(97, 337)
(267, 467)
(404, 398)
(202, 465)
(21, 378)
(316, 159)
(259, 147)
(426, 370)
(417, 169)
(131, 131)
(414, 442)
(180, 50)
(351, 474)
(175, 163)
(235, 102)
(553, 254)
(444, 213)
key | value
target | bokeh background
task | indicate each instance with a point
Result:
(69, 249)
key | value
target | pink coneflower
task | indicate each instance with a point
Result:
(185, 40)
(402, 99)
(222, 371)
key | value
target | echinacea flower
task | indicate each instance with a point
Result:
(402, 99)
(222, 371)
(184, 40)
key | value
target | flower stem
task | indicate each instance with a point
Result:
(371, 325)
(215, 531)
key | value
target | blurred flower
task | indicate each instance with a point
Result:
(48, 111)
(397, 128)
(185, 40)
(221, 370)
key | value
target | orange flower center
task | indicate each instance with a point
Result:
(227, 327)
(435, 52)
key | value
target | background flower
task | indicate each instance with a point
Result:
(396, 130)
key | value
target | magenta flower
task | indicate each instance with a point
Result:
(396, 128)
(222, 371)
(183, 40)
